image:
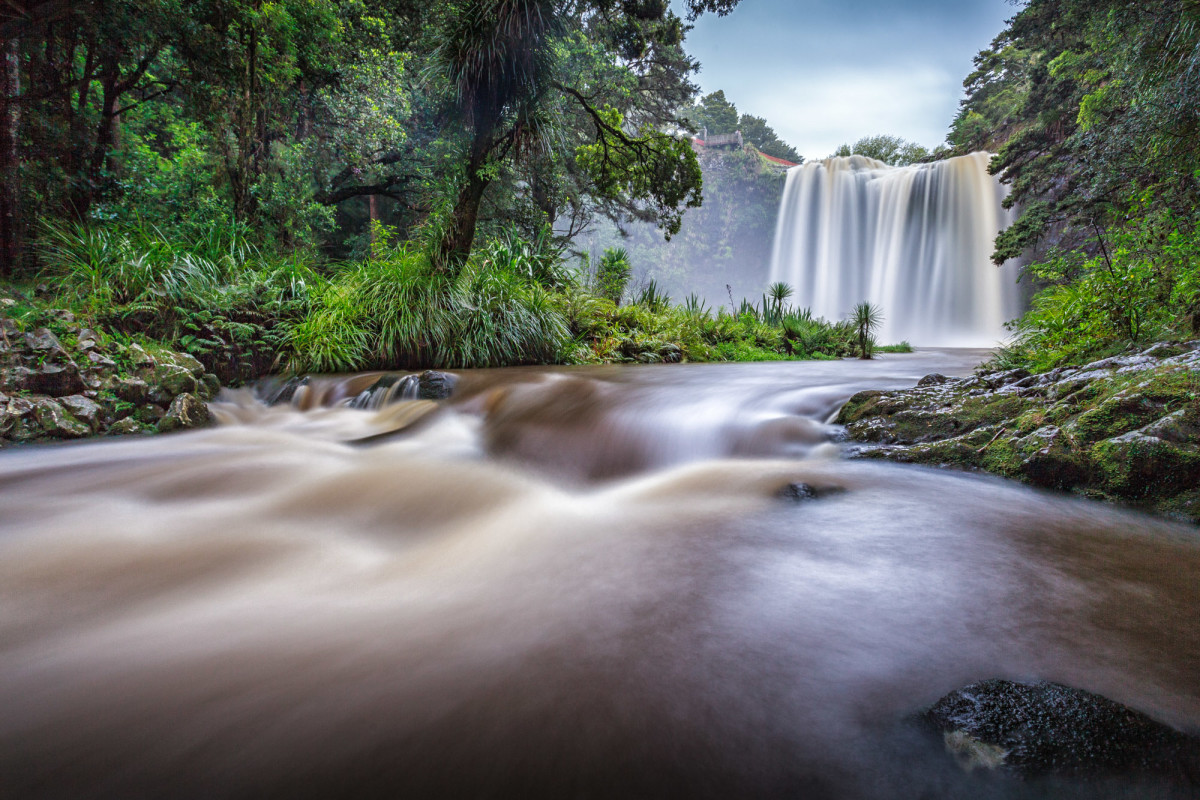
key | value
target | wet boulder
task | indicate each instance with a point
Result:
(126, 427)
(186, 411)
(131, 390)
(83, 409)
(55, 421)
(433, 385)
(1137, 464)
(803, 492)
(54, 380)
(45, 345)
(210, 386)
(1041, 728)
(1048, 459)
(149, 413)
(168, 381)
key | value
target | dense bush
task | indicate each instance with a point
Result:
(399, 312)
(1142, 285)
(513, 302)
(217, 298)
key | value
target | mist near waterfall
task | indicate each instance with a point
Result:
(726, 242)
(915, 241)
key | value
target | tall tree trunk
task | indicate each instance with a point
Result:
(10, 156)
(456, 244)
(460, 233)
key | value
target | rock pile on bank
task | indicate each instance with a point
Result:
(62, 380)
(1124, 429)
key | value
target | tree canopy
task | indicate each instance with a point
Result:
(1092, 106)
(889, 149)
(716, 114)
(302, 120)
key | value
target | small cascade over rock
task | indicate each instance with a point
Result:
(915, 241)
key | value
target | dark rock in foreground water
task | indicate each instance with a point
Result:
(433, 385)
(1044, 728)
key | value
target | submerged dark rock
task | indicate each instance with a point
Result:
(1040, 728)
(802, 492)
(433, 385)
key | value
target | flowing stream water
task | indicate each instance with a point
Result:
(562, 583)
(916, 241)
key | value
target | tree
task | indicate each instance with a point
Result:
(1091, 106)
(889, 149)
(757, 132)
(612, 274)
(714, 115)
(866, 319)
(502, 60)
(84, 65)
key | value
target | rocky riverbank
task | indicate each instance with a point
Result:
(1124, 429)
(60, 379)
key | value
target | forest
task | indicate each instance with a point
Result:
(310, 185)
(380, 183)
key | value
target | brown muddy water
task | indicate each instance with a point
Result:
(564, 583)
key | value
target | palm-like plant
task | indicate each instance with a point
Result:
(498, 57)
(866, 319)
(612, 274)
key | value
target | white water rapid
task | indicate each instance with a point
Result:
(915, 241)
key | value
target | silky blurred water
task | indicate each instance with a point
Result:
(916, 241)
(564, 582)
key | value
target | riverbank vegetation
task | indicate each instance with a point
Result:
(321, 186)
(243, 312)
(1092, 109)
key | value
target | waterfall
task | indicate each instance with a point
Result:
(915, 241)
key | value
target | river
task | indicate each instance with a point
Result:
(579, 582)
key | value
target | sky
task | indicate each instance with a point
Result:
(828, 72)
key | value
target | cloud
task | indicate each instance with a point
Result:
(818, 113)
(827, 72)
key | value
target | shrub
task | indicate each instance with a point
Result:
(1142, 284)
(612, 274)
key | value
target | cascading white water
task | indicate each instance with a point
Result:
(915, 241)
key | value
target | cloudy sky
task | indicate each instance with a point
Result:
(825, 72)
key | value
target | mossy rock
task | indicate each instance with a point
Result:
(1119, 414)
(859, 406)
(1139, 467)
(56, 421)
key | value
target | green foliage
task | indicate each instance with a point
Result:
(651, 330)
(303, 120)
(612, 274)
(217, 297)
(866, 319)
(889, 149)
(652, 298)
(1141, 286)
(396, 311)
(652, 167)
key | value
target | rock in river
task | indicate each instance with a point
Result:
(1045, 728)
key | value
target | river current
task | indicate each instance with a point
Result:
(587, 582)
